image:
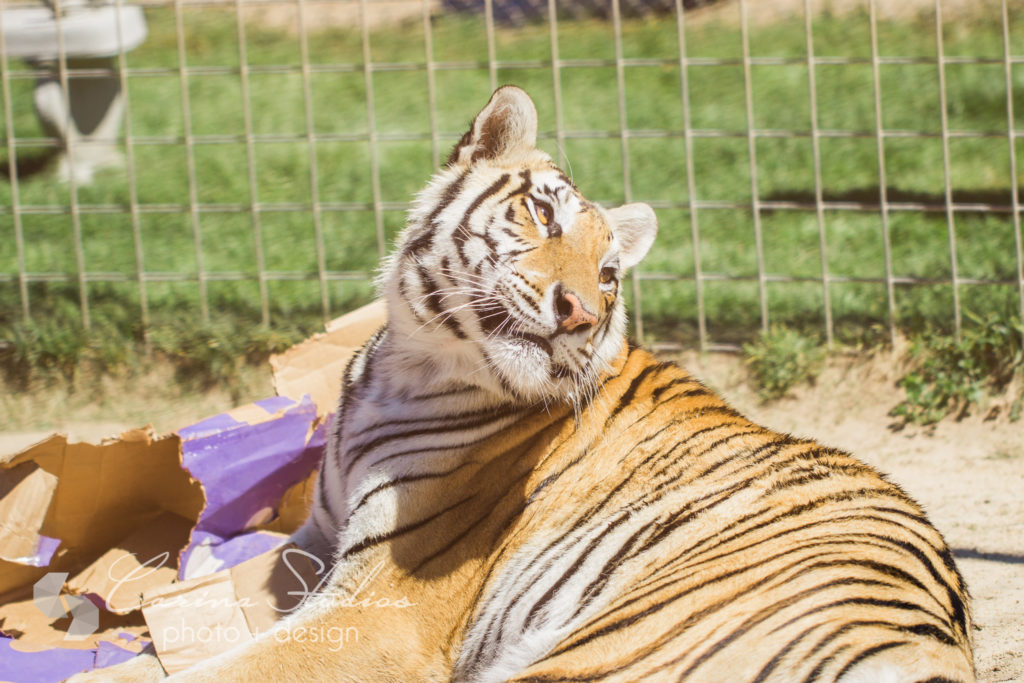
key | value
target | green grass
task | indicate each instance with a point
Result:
(910, 100)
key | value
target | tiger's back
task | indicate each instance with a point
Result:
(757, 556)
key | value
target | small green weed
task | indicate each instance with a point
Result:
(950, 376)
(782, 358)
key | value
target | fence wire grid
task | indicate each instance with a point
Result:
(185, 177)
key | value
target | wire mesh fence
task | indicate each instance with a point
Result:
(852, 174)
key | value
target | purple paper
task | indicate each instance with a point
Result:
(41, 667)
(245, 470)
(44, 553)
(109, 654)
(245, 547)
(275, 403)
(210, 425)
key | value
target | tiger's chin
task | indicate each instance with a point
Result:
(526, 368)
(522, 367)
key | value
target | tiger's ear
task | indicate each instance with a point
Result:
(635, 227)
(507, 125)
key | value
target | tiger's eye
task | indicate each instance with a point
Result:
(543, 214)
(607, 275)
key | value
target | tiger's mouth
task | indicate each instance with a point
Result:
(496, 319)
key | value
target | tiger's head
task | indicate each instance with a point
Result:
(505, 276)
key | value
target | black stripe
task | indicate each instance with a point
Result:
(442, 447)
(718, 540)
(836, 633)
(505, 385)
(523, 188)
(361, 450)
(442, 394)
(398, 481)
(630, 619)
(767, 613)
(403, 292)
(835, 538)
(700, 390)
(500, 410)
(581, 557)
(871, 651)
(774, 662)
(424, 241)
(595, 587)
(436, 305)
(820, 666)
(377, 539)
(630, 393)
(462, 232)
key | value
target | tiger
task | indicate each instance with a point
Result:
(549, 502)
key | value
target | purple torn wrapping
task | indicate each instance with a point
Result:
(57, 663)
(44, 553)
(108, 654)
(245, 469)
(42, 667)
(208, 553)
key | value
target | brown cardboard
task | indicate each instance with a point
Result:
(37, 632)
(145, 560)
(25, 496)
(294, 508)
(316, 365)
(103, 493)
(179, 618)
(117, 505)
(193, 620)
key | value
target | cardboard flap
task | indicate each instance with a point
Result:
(26, 491)
(143, 561)
(103, 493)
(194, 620)
(315, 366)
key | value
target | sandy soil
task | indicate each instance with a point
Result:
(969, 474)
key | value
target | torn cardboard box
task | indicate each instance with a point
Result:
(106, 548)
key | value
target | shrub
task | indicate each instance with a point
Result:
(782, 358)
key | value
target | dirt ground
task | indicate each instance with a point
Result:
(969, 474)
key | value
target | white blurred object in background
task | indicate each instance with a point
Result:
(86, 119)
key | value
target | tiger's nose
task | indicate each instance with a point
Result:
(570, 314)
